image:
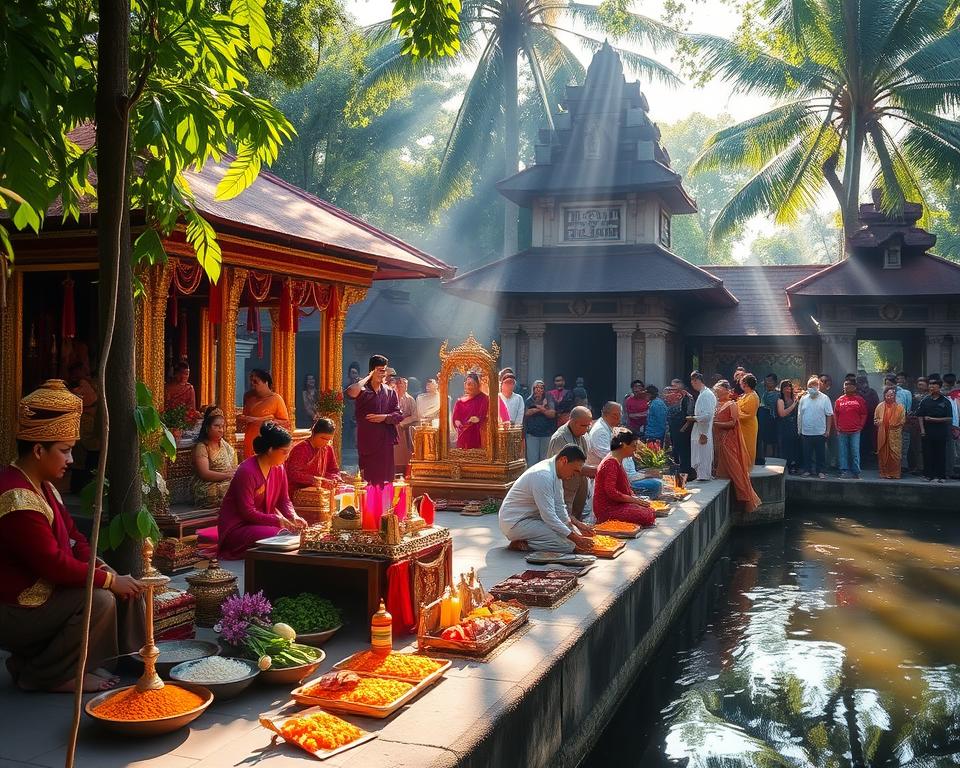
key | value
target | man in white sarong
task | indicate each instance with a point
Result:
(701, 434)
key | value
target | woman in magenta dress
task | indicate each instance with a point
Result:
(257, 504)
(470, 414)
(613, 497)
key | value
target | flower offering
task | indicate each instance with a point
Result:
(319, 731)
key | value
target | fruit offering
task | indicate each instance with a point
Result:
(319, 731)
(406, 665)
(344, 686)
(482, 623)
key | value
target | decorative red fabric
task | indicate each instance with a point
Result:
(215, 304)
(399, 600)
(427, 509)
(68, 328)
(286, 308)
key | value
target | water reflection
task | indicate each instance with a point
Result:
(835, 642)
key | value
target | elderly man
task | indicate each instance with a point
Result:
(598, 440)
(44, 561)
(533, 514)
(576, 489)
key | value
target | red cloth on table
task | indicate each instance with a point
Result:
(427, 509)
(399, 600)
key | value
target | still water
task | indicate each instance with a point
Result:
(830, 640)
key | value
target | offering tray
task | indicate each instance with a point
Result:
(276, 723)
(287, 542)
(302, 696)
(430, 679)
(572, 559)
(527, 588)
(317, 540)
(428, 632)
(633, 533)
(609, 554)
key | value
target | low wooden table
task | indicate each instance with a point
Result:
(290, 573)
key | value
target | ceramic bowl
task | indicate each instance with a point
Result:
(220, 690)
(292, 675)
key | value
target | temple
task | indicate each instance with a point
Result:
(599, 293)
(287, 257)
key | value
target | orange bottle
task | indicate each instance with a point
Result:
(381, 631)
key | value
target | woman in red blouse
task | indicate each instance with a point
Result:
(613, 497)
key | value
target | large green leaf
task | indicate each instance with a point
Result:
(241, 173)
(203, 238)
(250, 14)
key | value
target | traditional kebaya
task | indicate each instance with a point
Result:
(257, 505)
(44, 560)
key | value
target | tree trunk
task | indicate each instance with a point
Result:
(123, 460)
(852, 162)
(510, 41)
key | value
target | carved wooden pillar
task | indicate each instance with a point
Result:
(208, 361)
(150, 321)
(11, 363)
(331, 367)
(233, 281)
(283, 364)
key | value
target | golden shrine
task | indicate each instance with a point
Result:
(438, 466)
(283, 251)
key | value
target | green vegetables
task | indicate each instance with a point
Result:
(264, 642)
(306, 613)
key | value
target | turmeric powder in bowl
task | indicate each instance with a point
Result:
(131, 704)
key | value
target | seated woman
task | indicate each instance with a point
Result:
(214, 461)
(613, 498)
(470, 413)
(260, 404)
(180, 392)
(257, 504)
(313, 462)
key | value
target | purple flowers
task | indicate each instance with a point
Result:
(238, 611)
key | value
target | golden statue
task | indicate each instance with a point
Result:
(441, 468)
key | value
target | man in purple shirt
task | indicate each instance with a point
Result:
(377, 413)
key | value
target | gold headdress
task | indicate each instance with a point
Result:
(50, 414)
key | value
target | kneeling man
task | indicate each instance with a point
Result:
(43, 560)
(533, 515)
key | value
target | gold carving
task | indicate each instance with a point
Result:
(24, 498)
(36, 595)
(235, 279)
(11, 360)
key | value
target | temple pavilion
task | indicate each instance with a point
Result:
(287, 257)
(599, 293)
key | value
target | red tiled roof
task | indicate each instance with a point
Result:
(763, 309)
(276, 209)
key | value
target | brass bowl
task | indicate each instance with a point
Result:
(295, 675)
(150, 727)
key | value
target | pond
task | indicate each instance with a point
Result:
(830, 640)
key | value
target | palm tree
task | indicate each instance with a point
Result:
(497, 34)
(856, 82)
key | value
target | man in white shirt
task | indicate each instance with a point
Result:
(814, 422)
(511, 404)
(533, 515)
(701, 429)
(598, 439)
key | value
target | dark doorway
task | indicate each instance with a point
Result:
(588, 350)
(884, 350)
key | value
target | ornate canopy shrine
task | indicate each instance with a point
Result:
(284, 251)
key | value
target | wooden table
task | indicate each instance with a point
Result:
(290, 573)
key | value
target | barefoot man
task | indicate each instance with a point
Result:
(43, 560)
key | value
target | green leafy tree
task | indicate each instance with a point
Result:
(712, 188)
(498, 36)
(857, 83)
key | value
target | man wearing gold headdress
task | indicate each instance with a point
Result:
(43, 560)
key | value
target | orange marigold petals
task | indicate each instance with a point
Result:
(397, 664)
(131, 704)
(616, 526)
(373, 691)
(319, 730)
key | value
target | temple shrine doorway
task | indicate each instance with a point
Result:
(881, 350)
(586, 349)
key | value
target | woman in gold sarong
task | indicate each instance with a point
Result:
(889, 418)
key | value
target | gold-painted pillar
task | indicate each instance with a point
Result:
(283, 364)
(233, 281)
(150, 319)
(208, 361)
(334, 320)
(11, 362)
